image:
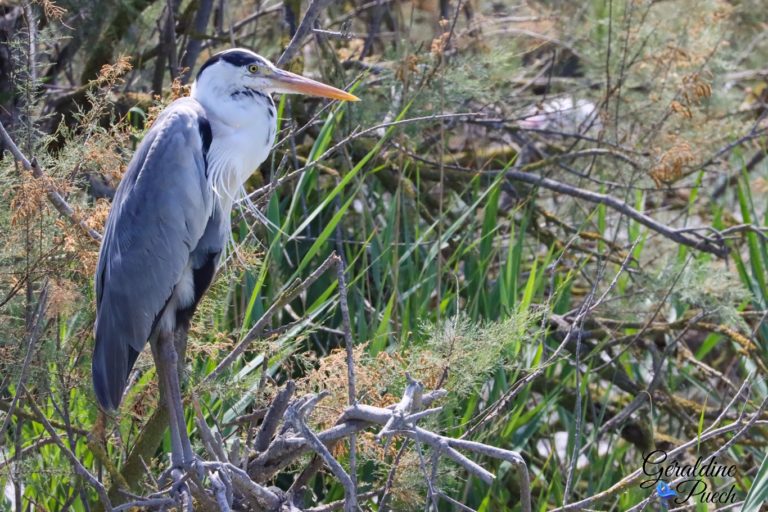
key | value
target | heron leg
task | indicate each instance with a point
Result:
(166, 362)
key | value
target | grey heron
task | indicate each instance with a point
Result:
(170, 221)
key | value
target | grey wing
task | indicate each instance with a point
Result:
(161, 211)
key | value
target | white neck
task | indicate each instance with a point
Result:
(243, 128)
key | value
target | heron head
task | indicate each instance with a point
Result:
(243, 72)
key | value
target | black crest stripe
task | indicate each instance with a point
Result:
(234, 57)
(213, 60)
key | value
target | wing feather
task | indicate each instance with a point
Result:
(160, 212)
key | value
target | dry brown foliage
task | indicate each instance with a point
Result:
(52, 10)
(671, 164)
(110, 74)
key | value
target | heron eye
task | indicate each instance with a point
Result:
(253, 68)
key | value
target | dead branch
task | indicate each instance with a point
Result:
(740, 426)
(295, 416)
(194, 45)
(359, 417)
(21, 413)
(35, 331)
(411, 401)
(273, 416)
(702, 244)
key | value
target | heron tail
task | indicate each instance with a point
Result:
(111, 365)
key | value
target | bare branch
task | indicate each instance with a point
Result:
(630, 479)
(409, 403)
(704, 245)
(341, 268)
(274, 415)
(305, 28)
(195, 43)
(295, 418)
(336, 505)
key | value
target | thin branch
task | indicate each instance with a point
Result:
(146, 504)
(409, 403)
(274, 414)
(194, 45)
(295, 418)
(21, 413)
(385, 493)
(305, 28)
(348, 341)
(341, 268)
(378, 129)
(630, 479)
(214, 448)
(336, 505)
(36, 330)
(291, 293)
(76, 464)
(26, 451)
(704, 245)
(56, 199)
(284, 449)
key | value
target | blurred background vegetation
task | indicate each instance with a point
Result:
(561, 323)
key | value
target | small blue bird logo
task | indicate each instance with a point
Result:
(664, 492)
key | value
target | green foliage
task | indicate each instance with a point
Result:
(758, 493)
(469, 353)
(703, 286)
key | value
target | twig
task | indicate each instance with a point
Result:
(222, 36)
(628, 480)
(346, 324)
(305, 27)
(213, 448)
(378, 129)
(146, 504)
(508, 455)
(713, 455)
(734, 178)
(704, 245)
(283, 450)
(247, 487)
(381, 416)
(21, 413)
(294, 417)
(442, 443)
(409, 403)
(336, 505)
(34, 334)
(455, 503)
(54, 196)
(586, 308)
(221, 491)
(273, 416)
(391, 476)
(26, 451)
(76, 464)
(290, 294)
(341, 268)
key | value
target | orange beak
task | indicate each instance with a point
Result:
(291, 83)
